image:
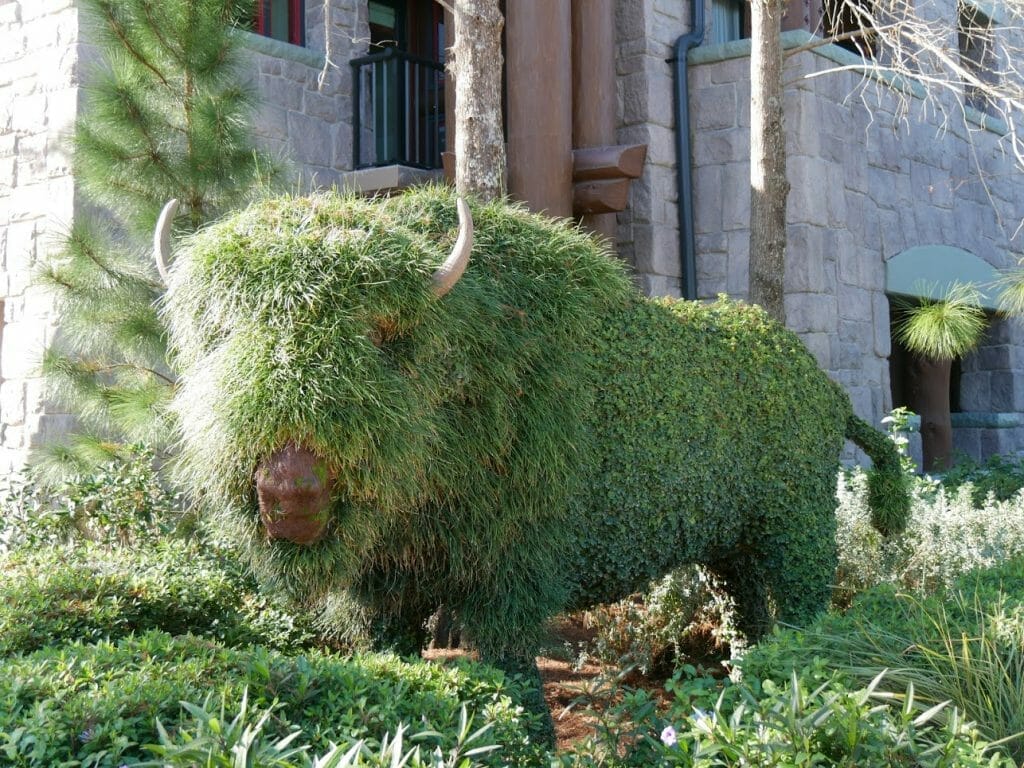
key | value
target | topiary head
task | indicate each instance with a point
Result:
(314, 342)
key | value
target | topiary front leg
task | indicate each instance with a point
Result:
(744, 578)
(396, 612)
(542, 726)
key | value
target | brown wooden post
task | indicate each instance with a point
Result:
(594, 103)
(538, 72)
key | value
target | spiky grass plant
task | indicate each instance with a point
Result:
(165, 117)
(937, 332)
(964, 648)
(1011, 291)
(943, 329)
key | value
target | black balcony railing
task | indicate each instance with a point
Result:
(397, 110)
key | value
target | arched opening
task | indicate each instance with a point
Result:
(931, 387)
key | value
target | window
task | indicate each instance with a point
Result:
(977, 54)
(402, 79)
(850, 21)
(727, 21)
(282, 20)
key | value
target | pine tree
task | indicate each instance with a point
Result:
(165, 117)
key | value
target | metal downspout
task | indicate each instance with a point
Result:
(684, 175)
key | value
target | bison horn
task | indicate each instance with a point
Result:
(162, 238)
(448, 274)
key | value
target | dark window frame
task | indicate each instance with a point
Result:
(976, 44)
(296, 21)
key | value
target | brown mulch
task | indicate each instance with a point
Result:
(564, 683)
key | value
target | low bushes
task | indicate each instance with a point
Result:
(90, 592)
(964, 645)
(796, 723)
(948, 534)
(1002, 476)
(686, 614)
(98, 703)
(122, 503)
(110, 620)
(209, 738)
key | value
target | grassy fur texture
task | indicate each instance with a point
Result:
(539, 437)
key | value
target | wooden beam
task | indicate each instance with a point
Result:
(600, 196)
(618, 162)
(594, 98)
(538, 73)
(448, 164)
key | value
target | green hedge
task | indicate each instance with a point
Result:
(98, 704)
(57, 595)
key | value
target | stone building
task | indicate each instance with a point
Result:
(878, 204)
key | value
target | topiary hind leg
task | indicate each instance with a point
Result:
(802, 564)
(744, 579)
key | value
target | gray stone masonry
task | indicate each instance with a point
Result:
(304, 115)
(865, 187)
(648, 229)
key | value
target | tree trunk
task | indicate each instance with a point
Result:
(928, 396)
(768, 185)
(477, 69)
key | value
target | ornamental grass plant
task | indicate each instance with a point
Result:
(963, 645)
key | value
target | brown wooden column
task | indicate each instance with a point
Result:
(595, 103)
(538, 73)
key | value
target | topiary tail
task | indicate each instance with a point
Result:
(888, 495)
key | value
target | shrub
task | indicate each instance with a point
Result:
(1002, 476)
(98, 704)
(799, 722)
(947, 535)
(209, 738)
(122, 502)
(965, 645)
(59, 595)
(685, 613)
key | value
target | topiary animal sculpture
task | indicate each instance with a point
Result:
(537, 437)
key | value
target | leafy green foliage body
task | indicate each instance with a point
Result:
(539, 436)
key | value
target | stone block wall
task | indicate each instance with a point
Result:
(648, 231)
(866, 185)
(39, 64)
(304, 115)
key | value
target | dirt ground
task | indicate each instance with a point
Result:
(563, 683)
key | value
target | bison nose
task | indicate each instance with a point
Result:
(294, 491)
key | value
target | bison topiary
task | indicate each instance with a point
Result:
(529, 437)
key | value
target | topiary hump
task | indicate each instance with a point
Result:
(539, 436)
